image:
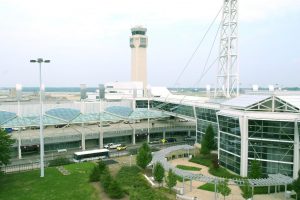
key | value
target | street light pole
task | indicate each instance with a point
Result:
(40, 61)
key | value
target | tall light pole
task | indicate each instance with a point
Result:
(40, 61)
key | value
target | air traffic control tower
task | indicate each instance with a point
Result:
(138, 44)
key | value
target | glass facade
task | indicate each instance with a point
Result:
(230, 143)
(142, 104)
(272, 142)
(175, 108)
(205, 117)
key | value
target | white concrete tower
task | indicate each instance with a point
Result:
(228, 70)
(138, 44)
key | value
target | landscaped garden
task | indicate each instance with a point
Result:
(55, 185)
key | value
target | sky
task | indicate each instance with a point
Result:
(88, 41)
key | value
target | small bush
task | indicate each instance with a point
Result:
(115, 191)
(95, 175)
(105, 179)
(59, 161)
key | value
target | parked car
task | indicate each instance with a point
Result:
(108, 145)
(171, 139)
(122, 147)
(189, 138)
(114, 146)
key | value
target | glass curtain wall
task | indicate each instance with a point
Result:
(272, 142)
(230, 143)
(205, 117)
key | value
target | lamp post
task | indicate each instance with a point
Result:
(40, 61)
(19, 97)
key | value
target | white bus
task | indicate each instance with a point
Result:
(96, 154)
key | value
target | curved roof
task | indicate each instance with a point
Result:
(66, 114)
(119, 110)
(6, 116)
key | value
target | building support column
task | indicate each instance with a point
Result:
(189, 133)
(82, 138)
(164, 134)
(101, 139)
(19, 145)
(296, 167)
(243, 121)
(133, 136)
(191, 185)
(195, 115)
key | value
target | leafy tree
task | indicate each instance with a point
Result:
(223, 188)
(95, 174)
(296, 185)
(247, 190)
(256, 171)
(159, 173)
(208, 142)
(144, 156)
(5, 145)
(171, 179)
(215, 161)
(115, 191)
(106, 179)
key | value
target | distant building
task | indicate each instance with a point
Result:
(138, 45)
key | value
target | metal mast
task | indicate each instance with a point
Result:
(228, 70)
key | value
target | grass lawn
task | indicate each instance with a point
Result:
(29, 185)
(137, 187)
(208, 187)
(206, 161)
(222, 172)
(189, 168)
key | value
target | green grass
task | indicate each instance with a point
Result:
(222, 172)
(137, 187)
(201, 160)
(189, 168)
(29, 185)
(208, 187)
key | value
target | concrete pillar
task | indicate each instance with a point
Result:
(189, 133)
(19, 146)
(133, 136)
(195, 115)
(191, 186)
(101, 139)
(148, 137)
(296, 151)
(164, 134)
(82, 139)
(243, 121)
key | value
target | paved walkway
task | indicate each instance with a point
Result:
(206, 195)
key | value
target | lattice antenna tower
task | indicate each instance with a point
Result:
(228, 69)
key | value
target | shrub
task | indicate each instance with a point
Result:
(144, 156)
(105, 179)
(59, 161)
(223, 188)
(256, 171)
(247, 190)
(171, 179)
(159, 172)
(114, 190)
(95, 174)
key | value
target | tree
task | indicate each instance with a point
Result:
(223, 188)
(106, 179)
(247, 190)
(296, 185)
(159, 173)
(95, 174)
(115, 191)
(144, 156)
(5, 145)
(208, 142)
(256, 171)
(171, 179)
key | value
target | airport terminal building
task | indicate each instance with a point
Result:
(257, 126)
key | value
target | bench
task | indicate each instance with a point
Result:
(61, 150)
